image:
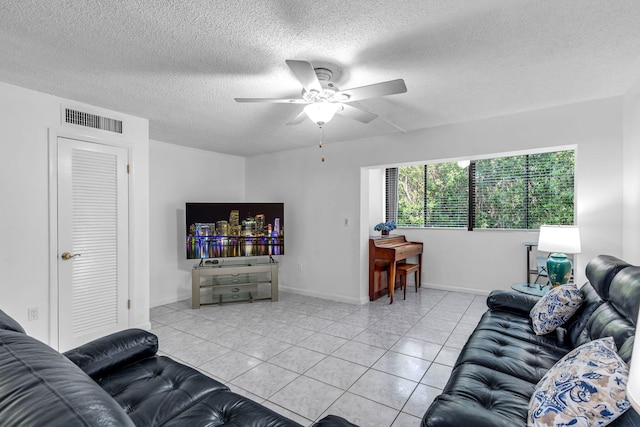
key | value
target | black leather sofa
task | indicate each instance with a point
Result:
(496, 373)
(117, 380)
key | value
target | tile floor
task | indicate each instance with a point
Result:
(376, 364)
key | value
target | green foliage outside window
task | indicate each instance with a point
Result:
(411, 196)
(517, 192)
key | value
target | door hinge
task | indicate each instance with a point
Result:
(129, 304)
(128, 168)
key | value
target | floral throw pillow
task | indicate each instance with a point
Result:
(587, 387)
(555, 307)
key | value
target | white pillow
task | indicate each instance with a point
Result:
(555, 307)
(587, 387)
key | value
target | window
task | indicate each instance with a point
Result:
(516, 192)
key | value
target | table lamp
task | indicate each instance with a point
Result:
(559, 240)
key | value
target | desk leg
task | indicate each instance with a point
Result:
(528, 267)
(392, 280)
(419, 284)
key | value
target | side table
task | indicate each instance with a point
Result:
(530, 289)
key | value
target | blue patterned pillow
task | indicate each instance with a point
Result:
(555, 307)
(587, 387)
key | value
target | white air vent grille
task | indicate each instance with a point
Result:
(91, 120)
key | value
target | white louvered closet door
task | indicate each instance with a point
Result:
(93, 237)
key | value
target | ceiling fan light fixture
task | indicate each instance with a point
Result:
(321, 112)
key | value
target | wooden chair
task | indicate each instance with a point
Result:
(403, 270)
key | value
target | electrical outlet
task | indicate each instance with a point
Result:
(32, 313)
(299, 267)
(346, 222)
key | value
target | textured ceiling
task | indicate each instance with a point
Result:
(181, 63)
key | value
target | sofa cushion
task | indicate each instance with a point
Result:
(519, 326)
(513, 356)
(143, 389)
(225, 408)
(555, 308)
(577, 324)
(40, 386)
(587, 387)
(480, 397)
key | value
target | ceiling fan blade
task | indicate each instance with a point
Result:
(372, 91)
(299, 118)
(356, 113)
(273, 100)
(305, 74)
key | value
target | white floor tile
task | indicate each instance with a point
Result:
(362, 412)
(297, 359)
(418, 348)
(307, 397)
(384, 388)
(375, 364)
(402, 365)
(406, 420)
(356, 352)
(265, 379)
(420, 400)
(337, 372)
(264, 348)
(377, 338)
(447, 356)
(323, 343)
(230, 365)
(437, 375)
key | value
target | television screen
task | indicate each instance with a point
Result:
(221, 230)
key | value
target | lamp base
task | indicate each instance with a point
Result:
(559, 269)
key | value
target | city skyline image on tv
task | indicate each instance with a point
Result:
(219, 230)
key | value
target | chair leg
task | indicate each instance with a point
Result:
(416, 279)
(404, 285)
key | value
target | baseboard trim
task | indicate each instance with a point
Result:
(181, 297)
(332, 297)
(455, 289)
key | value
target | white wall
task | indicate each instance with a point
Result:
(27, 121)
(631, 159)
(179, 175)
(320, 195)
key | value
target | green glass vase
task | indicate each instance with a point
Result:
(559, 269)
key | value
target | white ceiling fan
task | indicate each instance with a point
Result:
(323, 99)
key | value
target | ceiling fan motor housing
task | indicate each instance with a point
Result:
(328, 88)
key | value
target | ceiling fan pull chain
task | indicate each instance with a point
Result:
(321, 139)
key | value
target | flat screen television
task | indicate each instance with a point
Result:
(236, 229)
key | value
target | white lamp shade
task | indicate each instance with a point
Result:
(559, 238)
(321, 112)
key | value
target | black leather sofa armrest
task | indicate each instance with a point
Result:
(114, 351)
(512, 301)
(7, 322)
(334, 421)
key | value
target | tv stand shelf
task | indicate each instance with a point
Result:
(234, 281)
